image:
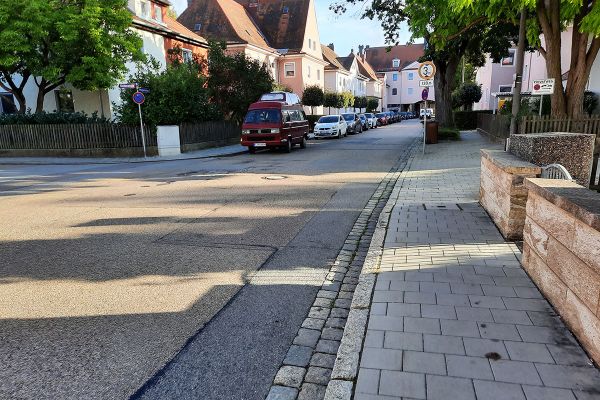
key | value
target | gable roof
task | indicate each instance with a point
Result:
(171, 29)
(381, 59)
(223, 20)
(412, 65)
(332, 58)
(347, 61)
(365, 69)
(282, 22)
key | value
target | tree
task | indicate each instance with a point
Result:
(84, 43)
(177, 94)
(550, 18)
(347, 99)
(279, 87)
(372, 104)
(449, 36)
(235, 81)
(313, 96)
(333, 99)
(360, 102)
(466, 94)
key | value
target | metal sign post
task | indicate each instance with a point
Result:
(426, 71)
(139, 98)
(425, 96)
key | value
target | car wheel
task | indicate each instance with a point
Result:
(303, 142)
(288, 148)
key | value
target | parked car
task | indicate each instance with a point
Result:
(372, 120)
(274, 124)
(364, 122)
(382, 119)
(354, 123)
(330, 126)
(284, 97)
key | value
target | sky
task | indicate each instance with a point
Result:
(346, 32)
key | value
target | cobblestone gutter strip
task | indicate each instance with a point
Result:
(345, 369)
(308, 365)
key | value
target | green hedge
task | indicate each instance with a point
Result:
(467, 120)
(55, 118)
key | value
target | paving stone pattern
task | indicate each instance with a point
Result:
(454, 316)
(308, 364)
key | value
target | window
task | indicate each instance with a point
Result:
(510, 60)
(409, 90)
(411, 76)
(394, 77)
(308, 68)
(260, 116)
(158, 13)
(396, 63)
(394, 91)
(290, 69)
(145, 9)
(7, 103)
(64, 101)
(309, 43)
(187, 55)
(197, 26)
(319, 74)
(505, 88)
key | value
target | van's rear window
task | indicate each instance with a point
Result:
(263, 116)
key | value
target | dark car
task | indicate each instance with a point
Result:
(354, 123)
(364, 121)
(382, 119)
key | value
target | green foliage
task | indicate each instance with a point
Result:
(177, 94)
(527, 108)
(235, 81)
(51, 118)
(333, 100)
(590, 102)
(446, 133)
(372, 104)
(313, 96)
(467, 120)
(347, 99)
(281, 87)
(466, 94)
(84, 43)
(360, 102)
(470, 72)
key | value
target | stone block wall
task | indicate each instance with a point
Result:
(561, 253)
(574, 151)
(502, 192)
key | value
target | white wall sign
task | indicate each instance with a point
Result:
(428, 83)
(543, 86)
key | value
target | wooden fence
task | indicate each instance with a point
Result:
(548, 123)
(494, 125)
(73, 137)
(194, 136)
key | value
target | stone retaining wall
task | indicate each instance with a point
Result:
(562, 253)
(502, 192)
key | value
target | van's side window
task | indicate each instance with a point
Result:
(303, 116)
(286, 116)
(296, 116)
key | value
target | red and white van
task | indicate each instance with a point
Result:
(274, 124)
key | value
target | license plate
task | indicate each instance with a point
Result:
(260, 145)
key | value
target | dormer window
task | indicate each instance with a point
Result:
(158, 13)
(396, 63)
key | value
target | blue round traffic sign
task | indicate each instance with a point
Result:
(425, 94)
(138, 98)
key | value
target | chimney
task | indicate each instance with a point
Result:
(351, 51)
(330, 45)
(360, 50)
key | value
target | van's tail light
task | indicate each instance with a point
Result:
(275, 130)
(245, 131)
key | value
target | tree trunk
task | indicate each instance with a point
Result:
(7, 83)
(444, 82)
(39, 104)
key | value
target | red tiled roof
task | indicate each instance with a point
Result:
(365, 69)
(381, 59)
(170, 28)
(332, 58)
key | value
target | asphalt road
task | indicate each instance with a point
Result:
(184, 279)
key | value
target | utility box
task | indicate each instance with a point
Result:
(431, 132)
(168, 140)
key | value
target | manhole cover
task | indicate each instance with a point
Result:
(274, 177)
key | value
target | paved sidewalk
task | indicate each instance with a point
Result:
(454, 316)
(204, 153)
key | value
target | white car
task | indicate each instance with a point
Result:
(372, 120)
(330, 126)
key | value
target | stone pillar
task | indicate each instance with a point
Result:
(168, 140)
